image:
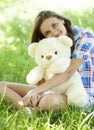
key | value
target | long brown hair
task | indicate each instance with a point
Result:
(43, 15)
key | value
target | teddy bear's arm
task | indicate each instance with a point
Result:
(35, 75)
(60, 65)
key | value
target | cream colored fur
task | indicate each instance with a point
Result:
(53, 57)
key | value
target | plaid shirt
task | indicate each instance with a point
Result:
(84, 48)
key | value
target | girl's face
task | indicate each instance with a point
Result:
(53, 27)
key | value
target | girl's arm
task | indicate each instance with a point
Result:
(57, 79)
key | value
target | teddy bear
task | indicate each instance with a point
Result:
(53, 57)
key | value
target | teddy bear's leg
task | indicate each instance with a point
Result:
(77, 95)
(53, 102)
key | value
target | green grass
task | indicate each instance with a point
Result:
(15, 64)
(69, 119)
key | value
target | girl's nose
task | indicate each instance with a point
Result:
(55, 33)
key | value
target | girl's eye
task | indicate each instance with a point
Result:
(42, 56)
(47, 33)
(54, 24)
(55, 52)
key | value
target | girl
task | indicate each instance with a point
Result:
(51, 24)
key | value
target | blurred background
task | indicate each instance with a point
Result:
(16, 24)
(17, 16)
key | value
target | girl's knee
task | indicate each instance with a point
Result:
(2, 84)
(52, 102)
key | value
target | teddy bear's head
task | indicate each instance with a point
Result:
(48, 50)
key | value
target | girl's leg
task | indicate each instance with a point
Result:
(20, 89)
(53, 102)
(12, 97)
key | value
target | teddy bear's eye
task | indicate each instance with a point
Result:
(42, 56)
(56, 52)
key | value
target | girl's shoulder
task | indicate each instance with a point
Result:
(80, 33)
(77, 31)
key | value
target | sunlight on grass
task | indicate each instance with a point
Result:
(86, 118)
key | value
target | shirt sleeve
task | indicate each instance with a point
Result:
(84, 48)
(77, 33)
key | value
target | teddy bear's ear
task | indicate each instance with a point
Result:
(65, 40)
(31, 49)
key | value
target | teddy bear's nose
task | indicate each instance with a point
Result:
(48, 57)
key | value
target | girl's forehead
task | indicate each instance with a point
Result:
(47, 23)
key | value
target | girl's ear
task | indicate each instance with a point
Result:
(67, 41)
(32, 49)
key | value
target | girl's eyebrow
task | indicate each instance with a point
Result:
(44, 33)
(53, 22)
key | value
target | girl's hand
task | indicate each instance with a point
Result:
(31, 99)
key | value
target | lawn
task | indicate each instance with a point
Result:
(16, 24)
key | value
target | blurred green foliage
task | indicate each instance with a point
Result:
(15, 21)
(83, 19)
